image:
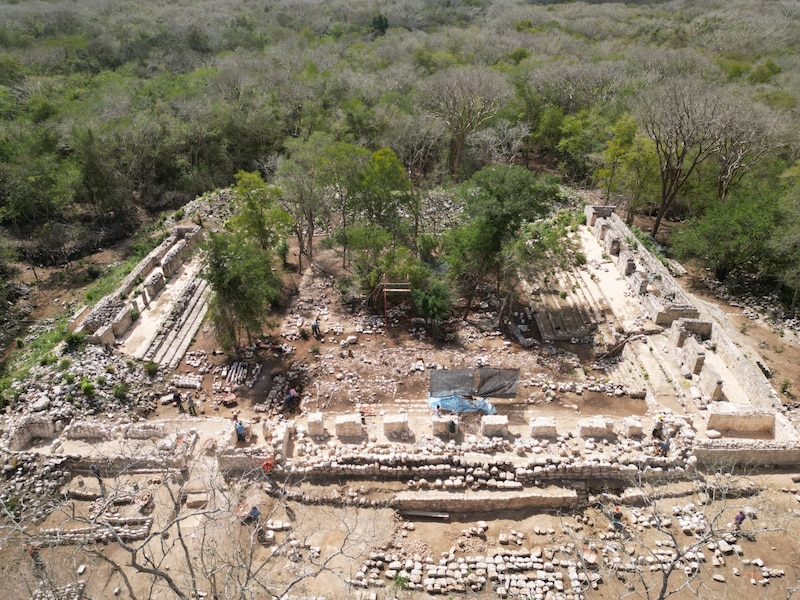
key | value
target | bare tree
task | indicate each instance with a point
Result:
(685, 122)
(466, 99)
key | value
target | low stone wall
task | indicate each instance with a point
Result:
(748, 375)
(755, 421)
(20, 434)
(244, 461)
(726, 452)
(440, 426)
(467, 501)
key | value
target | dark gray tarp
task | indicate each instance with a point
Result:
(452, 382)
(498, 383)
(492, 383)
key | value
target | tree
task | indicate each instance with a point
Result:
(730, 235)
(384, 195)
(685, 121)
(243, 285)
(341, 167)
(784, 244)
(258, 215)
(499, 200)
(299, 177)
(466, 98)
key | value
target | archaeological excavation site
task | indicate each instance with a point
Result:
(620, 437)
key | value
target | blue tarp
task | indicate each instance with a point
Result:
(459, 404)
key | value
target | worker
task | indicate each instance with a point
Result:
(315, 328)
(190, 404)
(658, 428)
(290, 400)
(616, 518)
(240, 430)
(661, 448)
(451, 428)
(738, 520)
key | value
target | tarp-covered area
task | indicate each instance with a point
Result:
(452, 382)
(492, 383)
(497, 383)
(461, 404)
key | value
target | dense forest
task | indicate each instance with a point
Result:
(364, 114)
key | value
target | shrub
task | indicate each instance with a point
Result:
(47, 359)
(150, 368)
(87, 387)
(69, 378)
(120, 390)
(64, 364)
(74, 341)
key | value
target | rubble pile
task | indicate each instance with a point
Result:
(29, 490)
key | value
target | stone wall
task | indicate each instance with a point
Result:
(746, 421)
(748, 375)
(20, 433)
(467, 501)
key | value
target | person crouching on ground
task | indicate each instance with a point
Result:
(290, 400)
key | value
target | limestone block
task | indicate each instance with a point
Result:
(639, 282)
(395, 423)
(601, 226)
(154, 283)
(440, 425)
(196, 500)
(104, 335)
(543, 427)
(122, 320)
(349, 425)
(611, 243)
(626, 263)
(494, 425)
(316, 424)
(595, 427)
(710, 384)
(631, 427)
(694, 355)
(677, 334)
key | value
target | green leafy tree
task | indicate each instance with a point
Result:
(258, 214)
(732, 234)
(384, 194)
(302, 185)
(244, 286)
(499, 200)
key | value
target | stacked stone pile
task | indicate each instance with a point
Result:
(71, 591)
(534, 573)
(433, 464)
(30, 491)
(126, 529)
(102, 314)
(56, 388)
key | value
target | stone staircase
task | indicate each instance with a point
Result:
(174, 335)
(562, 317)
